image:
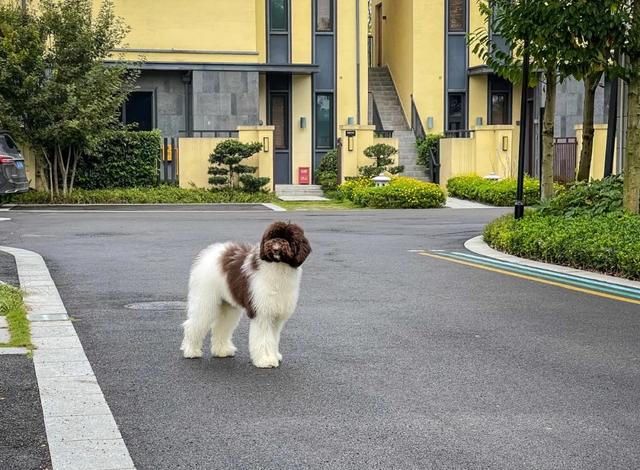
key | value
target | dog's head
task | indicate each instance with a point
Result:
(284, 243)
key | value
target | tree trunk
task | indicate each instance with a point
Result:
(547, 136)
(591, 83)
(76, 157)
(631, 192)
(64, 170)
(55, 171)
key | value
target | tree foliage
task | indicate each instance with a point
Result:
(227, 168)
(58, 95)
(382, 154)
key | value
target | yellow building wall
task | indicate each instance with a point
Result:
(428, 63)
(489, 150)
(353, 147)
(193, 161)
(302, 138)
(202, 31)
(478, 91)
(599, 150)
(397, 50)
(301, 32)
(476, 22)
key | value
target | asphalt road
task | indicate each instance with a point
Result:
(393, 360)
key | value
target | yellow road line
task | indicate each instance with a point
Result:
(536, 279)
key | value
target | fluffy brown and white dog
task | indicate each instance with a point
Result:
(262, 280)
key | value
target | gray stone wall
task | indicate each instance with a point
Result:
(225, 100)
(169, 98)
(569, 107)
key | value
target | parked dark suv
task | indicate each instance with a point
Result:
(13, 177)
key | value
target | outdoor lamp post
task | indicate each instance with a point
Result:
(519, 207)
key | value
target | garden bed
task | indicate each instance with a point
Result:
(12, 308)
(153, 195)
(400, 193)
(496, 193)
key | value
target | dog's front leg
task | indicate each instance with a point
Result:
(263, 342)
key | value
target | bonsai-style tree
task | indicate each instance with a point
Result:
(383, 156)
(227, 169)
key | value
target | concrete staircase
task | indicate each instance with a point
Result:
(300, 192)
(392, 117)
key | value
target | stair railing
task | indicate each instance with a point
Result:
(416, 122)
(380, 131)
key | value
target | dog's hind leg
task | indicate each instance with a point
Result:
(202, 307)
(224, 323)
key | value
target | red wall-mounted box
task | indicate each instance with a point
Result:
(303, 175)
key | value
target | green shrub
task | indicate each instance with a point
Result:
(382, 154)
(424, 146)
(497, 193)
(122, 159)
(400, 193)
(156, 195)
(594, 198)
(227, 169)
(351, 185)
(327, 172)
(609, 243)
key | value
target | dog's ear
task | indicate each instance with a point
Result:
(300, 244)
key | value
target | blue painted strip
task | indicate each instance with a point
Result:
(532, 269)
(549, 275)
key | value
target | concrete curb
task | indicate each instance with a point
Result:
(478, 246)
(81, 430)
(274, 207)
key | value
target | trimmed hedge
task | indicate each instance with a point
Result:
(497, 193)
(400, 193)
(327, 172)
(122, 159)
(156, 195)
(608, 243)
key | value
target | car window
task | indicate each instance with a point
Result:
(8, 145)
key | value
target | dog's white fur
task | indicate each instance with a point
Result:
(273, 288)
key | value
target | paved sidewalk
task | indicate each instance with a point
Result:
(455, 203)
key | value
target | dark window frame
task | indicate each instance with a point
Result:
(332, 134)
(463, 109)
(498, 86)
(286, 29)
(331, 17)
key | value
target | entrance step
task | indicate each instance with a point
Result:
(299, 192)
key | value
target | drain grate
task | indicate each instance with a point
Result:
(165, 305)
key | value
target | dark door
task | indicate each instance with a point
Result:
(138, 109)
(279, 118)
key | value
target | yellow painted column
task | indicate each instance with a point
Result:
(301, 32)
(301, 137)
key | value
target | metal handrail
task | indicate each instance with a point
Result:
(459, 134)
(434, 165)
(377, 120)
(416, 122)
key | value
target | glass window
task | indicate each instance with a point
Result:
(278, 15)
(324, 17)
(324, 120)
(499, 108)
(457, 13)
(456, 112)
(280, 119)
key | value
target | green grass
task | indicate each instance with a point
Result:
(330, 205)
(154, 195)
(13, 309)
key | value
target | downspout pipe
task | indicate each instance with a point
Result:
(358, 60)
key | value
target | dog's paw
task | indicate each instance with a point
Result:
(279, 356)
(266, 362)
(191, 353)
(227, 351)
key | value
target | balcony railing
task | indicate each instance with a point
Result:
(229, 134)
(459, 134)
